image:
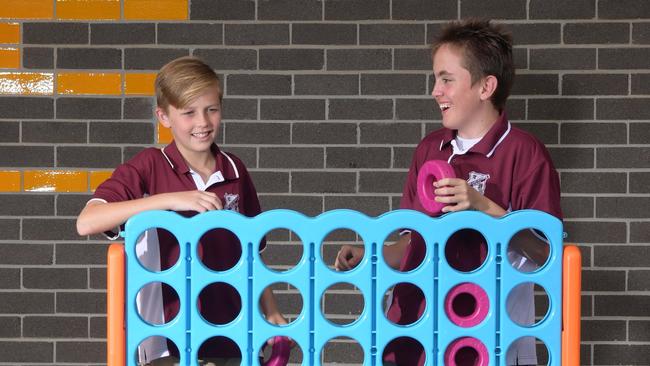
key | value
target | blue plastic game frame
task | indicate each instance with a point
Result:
(312, 276)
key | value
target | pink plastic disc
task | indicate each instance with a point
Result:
(467, 351)
(467, 305)
(431, 171)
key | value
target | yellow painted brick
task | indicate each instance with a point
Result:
(55, 181)
(27, 9)
(89, 83)
(9, 58)
(25, 83)
(164, 134)
(139, 83)
(9, 181)
(97, 177)
(155, 9)
(9, 33)
(88, 9)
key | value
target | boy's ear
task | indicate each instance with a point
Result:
(488, 87)
(162, 117)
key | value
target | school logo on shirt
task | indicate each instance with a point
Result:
(231, 202)
(478, 181)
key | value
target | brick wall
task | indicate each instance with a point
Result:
(324, 102)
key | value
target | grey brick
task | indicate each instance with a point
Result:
(563, 59)
(27, 156)
(324, 133)
(342, 350)
(358, 157)
(98, 327)
(190, 33)
(623, 157)
(395, 84)
(536, 33)
(151, 58)
(26, 351)
(547, 133)
(425, 10)
(381, 181)
(26, 107)
(371, 206)
(55, 33)
(600, 33)
(9, 279)
(258, 133)
(122, 132)
(413, 59)
(561, 109)
(247, 154)
(357, 9)
(599, 280)
(9, 131)
(291, 157)
(359, 59)
(98, 281)
(291, 59)
(585, 182)
(326, 84)
(258, 84)
(81, 351)
(402, 157)
(81, 302)
(25, 303)
(585, 232)
(535, 84)
(292, 109)
(130, 152)
(49, 229)
(390, 133)
(640, 84)
(620, 256)
(82, 253)
(123, 33)
(323, 182)
(271, 182)
(24, 253)
(603, 330)
(290, 10)
(357, 109)
(55, 132)
(639, 133)
(55, 327)
(89, 58)
(138, 108)
(610, 305)
(621, 354)
(638, 280)
(623, 207)
(516, 109)
(239, 108)
(88, 156)
(395, 34)
(343, 304)
(55, 278)
(9, 327)
(256, 34)
(623, 58)
(416, 109)
(514, 9)
(222, 10)
(577, 207)
(624, 9)
(88, 108)
(324, 33)
(562, 9)
(639, 330)
(308, 205)
(623, 108)
(594, 84)
(10, 229)
(38, 57)
(26, 205)
(639, 182)
(593, 133)
(229, 59)
(71, 204)
(520, 58)
(640, 33)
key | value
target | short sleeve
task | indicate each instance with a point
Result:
(539, 187)
(126, 183)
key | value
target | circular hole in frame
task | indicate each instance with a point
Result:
(147, 299)
(219, 249)
(528, 250)
(342, 350)
(282, 250)
(219, 303)
(342, 303)
(413, 254)
(466, 250)
(407, 293)
(287, 298)
(157, 249)
(216, 349)
(467, 304)
(407, 349)
(270, 352)
(528, 345)
(335, 241)
(154, 343)
(519, 300)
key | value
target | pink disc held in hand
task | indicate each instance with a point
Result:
(467, 351)
(280, 353)
(431, 171)
(467, 305)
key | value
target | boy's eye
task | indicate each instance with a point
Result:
(213, 109)
(188, 113)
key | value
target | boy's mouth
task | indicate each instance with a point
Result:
(201, 135)
(444, 106)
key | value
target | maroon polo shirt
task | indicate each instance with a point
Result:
(510, 167)
(154, 171)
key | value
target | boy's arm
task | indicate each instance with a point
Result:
(99, 216)
(270, 308)
(349, 256)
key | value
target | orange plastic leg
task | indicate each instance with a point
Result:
(115, 339)
(571, 277)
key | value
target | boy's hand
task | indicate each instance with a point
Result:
(348, 257)
(199, 201)
(458, 195)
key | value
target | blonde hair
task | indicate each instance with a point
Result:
(182, 80)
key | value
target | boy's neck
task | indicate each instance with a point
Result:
(480, 126)
(203, 163)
